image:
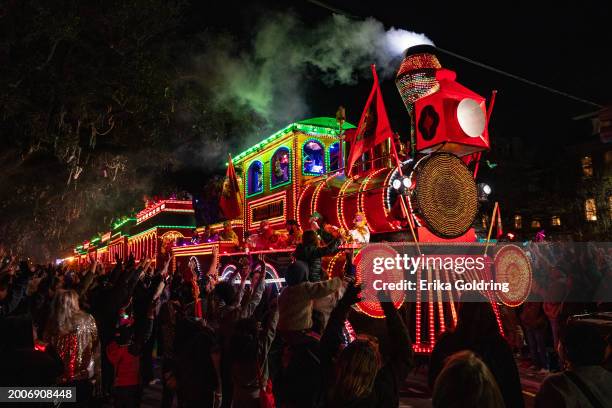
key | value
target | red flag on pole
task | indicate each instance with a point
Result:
(231, 199)
(500, 229)
(374, 126)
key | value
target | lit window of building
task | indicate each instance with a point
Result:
(518, 221)
(610, 205)
(555, 221)
(590, 209)
(535, 224)
(485, 221)
(587, 166)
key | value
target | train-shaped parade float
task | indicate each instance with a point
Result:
(357, 183)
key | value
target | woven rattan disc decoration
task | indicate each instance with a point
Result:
(446, 195)
(513, 266)
(365, 275)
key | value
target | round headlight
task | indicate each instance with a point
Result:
(396, 184)
(406, 182)
(486, 189)
(471, 117)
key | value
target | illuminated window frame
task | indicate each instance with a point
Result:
(536, 224)
(290, 168)
(587, 166)
(590, 209)
(248, 175)
(325, 156)
(555, 221)
(330, 156)
(608, 157)
(518, 221)
(485, 221)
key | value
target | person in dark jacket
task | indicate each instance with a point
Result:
(102, 311)
(477, 330)
(198, 382)
(249, 347)
(13, 289)
(125, 351)
(535, 322)
(23, 364)
(585, 383)
(310, 252)
(317, 223)
(170, 312)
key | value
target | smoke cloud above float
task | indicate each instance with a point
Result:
(269, 76)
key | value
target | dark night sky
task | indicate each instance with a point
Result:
(564, 46)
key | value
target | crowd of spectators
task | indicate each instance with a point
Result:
(237, 342)
(569, 279)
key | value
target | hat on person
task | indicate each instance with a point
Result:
(297, 272)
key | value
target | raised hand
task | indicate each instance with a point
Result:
(384, 296)
(256, 278)
(351, 295)
(164, 270)
(94, 264)
(244, 271)
(159, 290)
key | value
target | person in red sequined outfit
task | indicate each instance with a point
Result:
(73, 333)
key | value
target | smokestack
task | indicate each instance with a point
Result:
(416, 76)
